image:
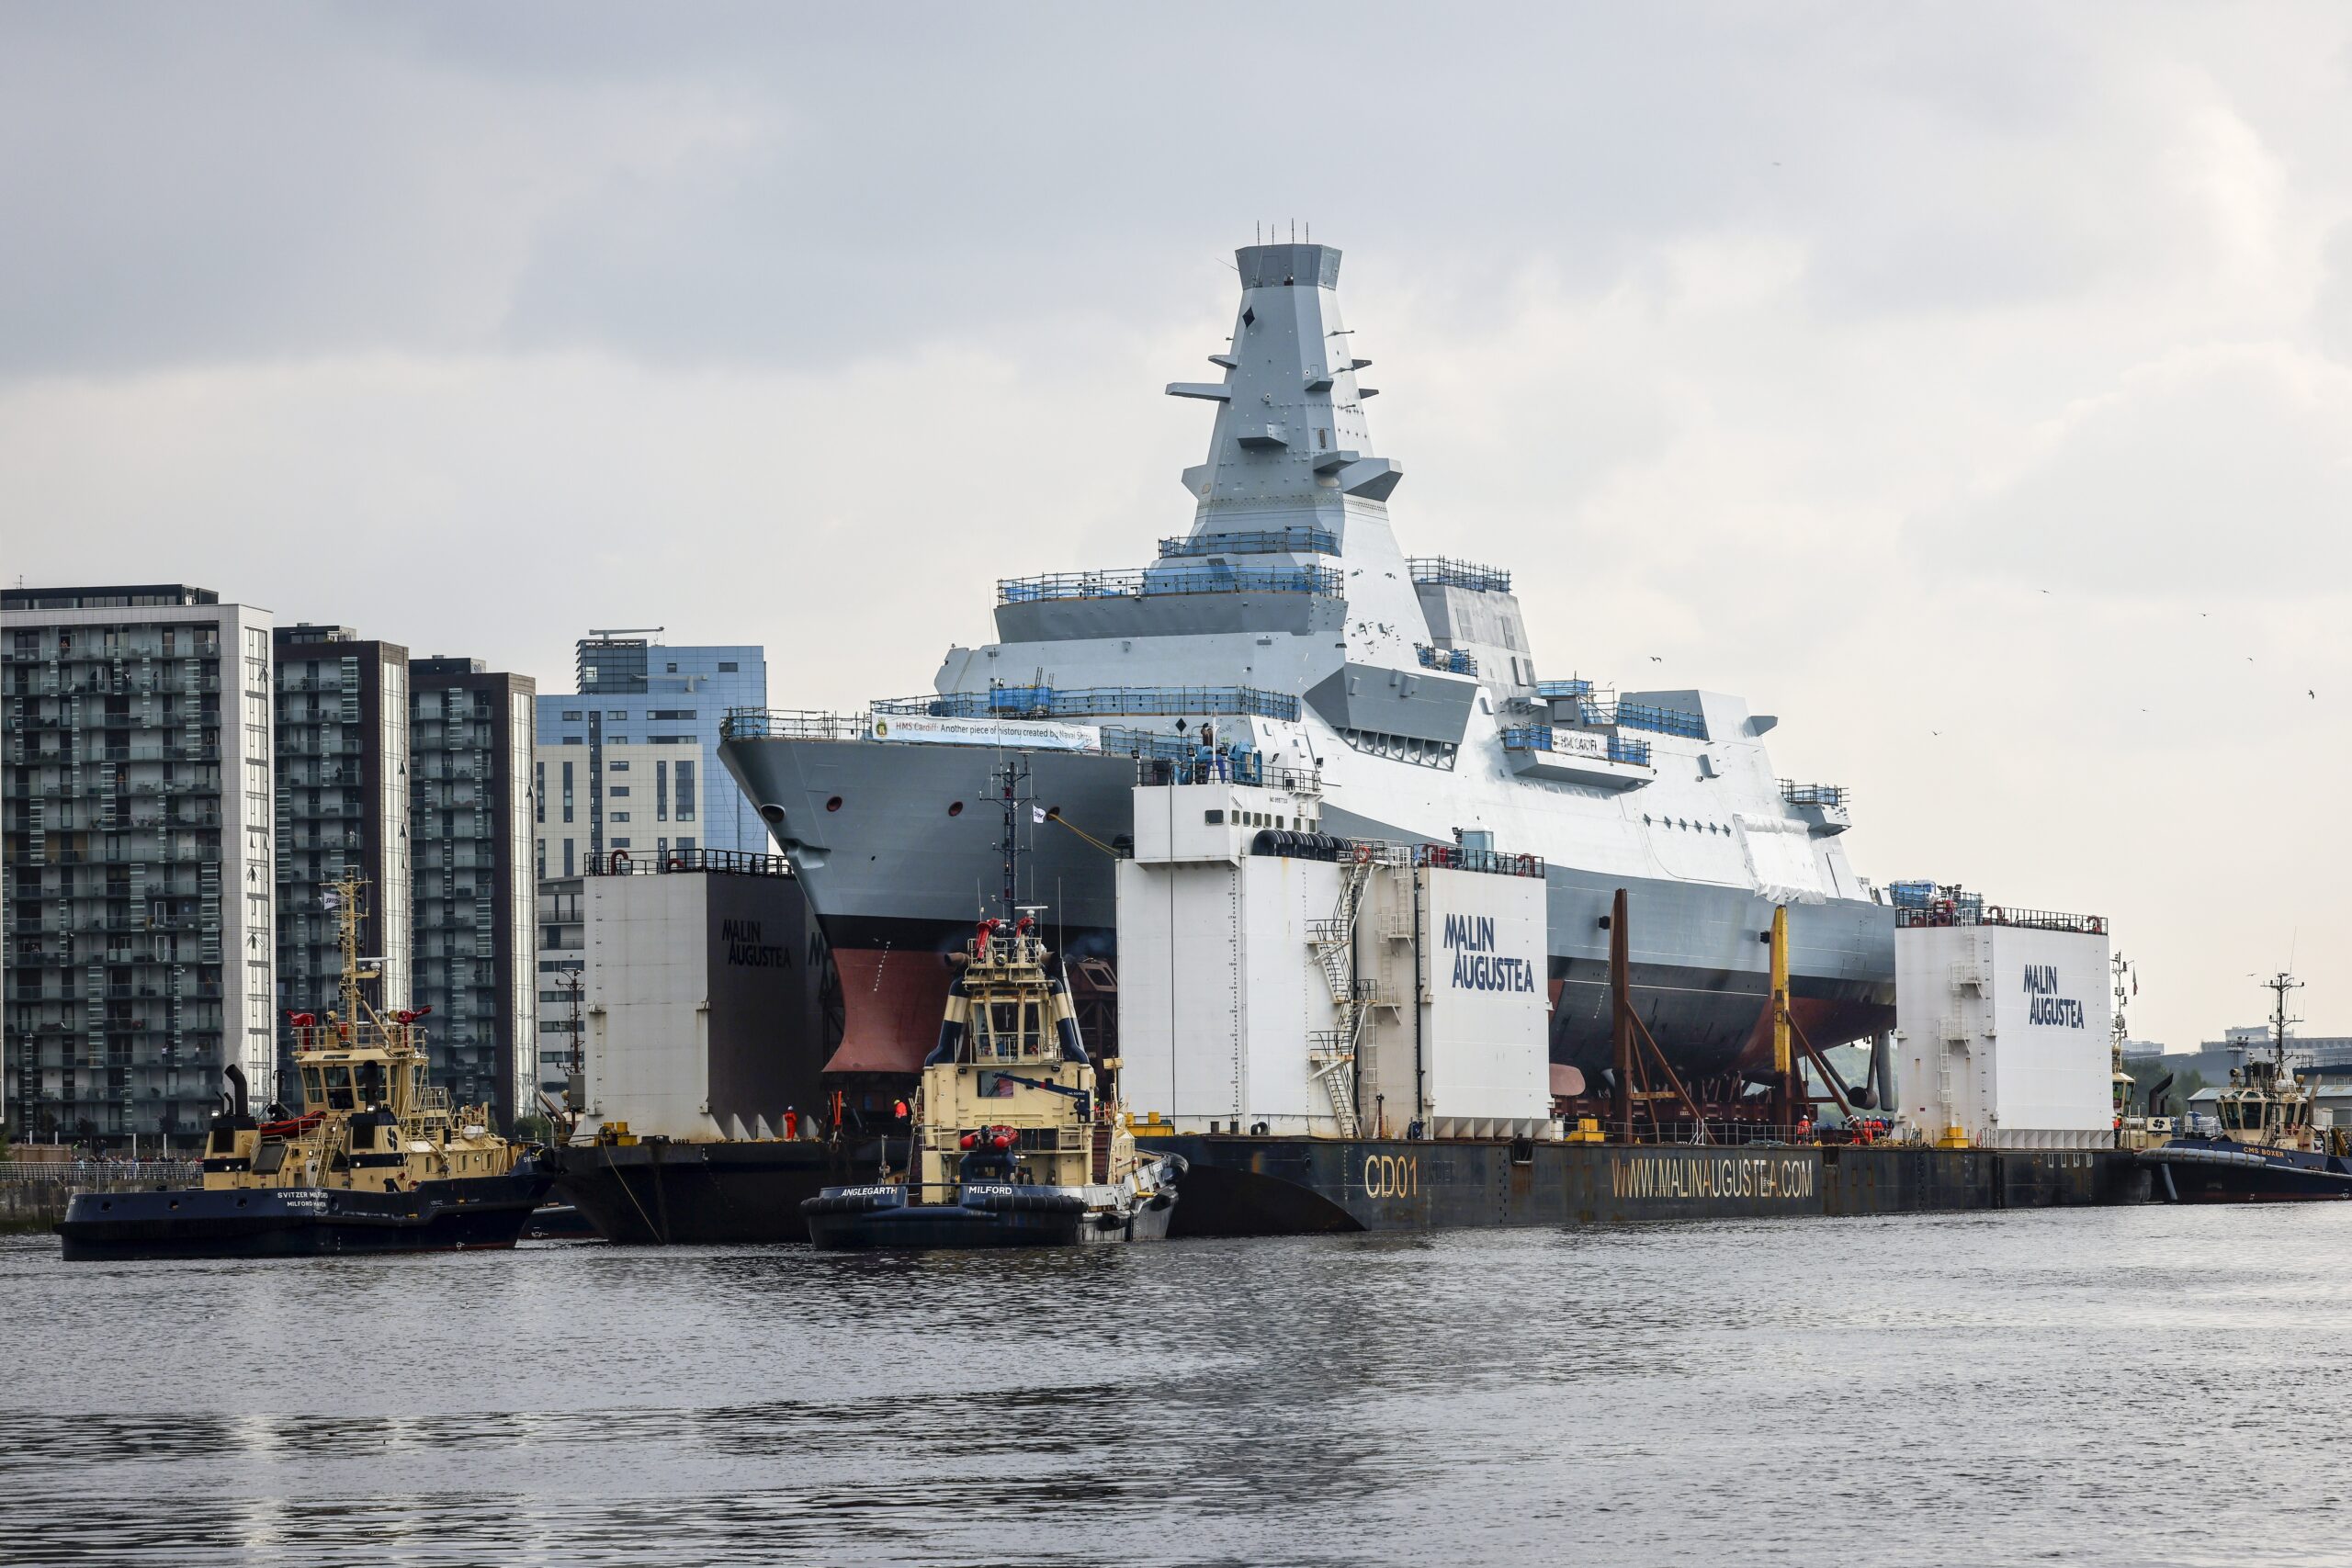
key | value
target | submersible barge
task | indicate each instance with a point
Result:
(1238, 1184)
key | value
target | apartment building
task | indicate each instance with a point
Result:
(137, 844)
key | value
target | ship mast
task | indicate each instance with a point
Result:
(1011, 782)
(2121, 966)
(2278, 984)
(348, 891)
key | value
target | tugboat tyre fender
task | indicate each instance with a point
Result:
(849, 1202)
(1029, 1202)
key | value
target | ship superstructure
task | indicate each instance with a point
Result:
(1289, 628)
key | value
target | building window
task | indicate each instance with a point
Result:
(539, 799)
(661, 790)
(542, 872)
(685, 846)
(620, 843)
(617, 789)
(617, 713)
(572, 716)
(727, 669)
(616, 767)
(567, 798)
(616, 816)
(570, 869)
(685, 792)
(670, 668)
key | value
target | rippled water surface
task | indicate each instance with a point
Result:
(2104, 1386)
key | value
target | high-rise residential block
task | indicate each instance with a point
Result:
(342, 806)
(472, 853)
(138, 858)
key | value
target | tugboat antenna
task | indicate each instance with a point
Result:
(2280, 984)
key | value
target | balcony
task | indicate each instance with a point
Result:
(1604, 712)
(1572, 756)
(1049, 702)
(1148, 582)
(1301, 540)
(1821, 808)
(1441, 571)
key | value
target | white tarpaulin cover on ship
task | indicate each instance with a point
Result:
(1781, 858)
(1035, 734)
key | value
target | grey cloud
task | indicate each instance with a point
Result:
(770, 183)
(1791, 343)
(2221, 473)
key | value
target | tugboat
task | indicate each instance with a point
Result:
(2267, 1150)
(376, 1161)
(1016, 1140)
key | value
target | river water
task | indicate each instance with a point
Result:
(2121, 1385)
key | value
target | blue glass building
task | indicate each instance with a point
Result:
(630, 761)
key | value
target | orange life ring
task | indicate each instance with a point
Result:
(1363, 854)
(619, 859)
(1992, 913)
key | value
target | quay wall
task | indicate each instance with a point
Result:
(33, 1194)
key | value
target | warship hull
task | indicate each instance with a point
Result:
(896, 845)
(1289, 631)
(461, 1215)
(1241, 1185)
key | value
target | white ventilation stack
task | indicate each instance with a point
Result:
(2002, 1021)
(1275, 979)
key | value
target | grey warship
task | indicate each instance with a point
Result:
(1289, 628)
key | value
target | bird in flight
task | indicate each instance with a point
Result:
(1657, 658)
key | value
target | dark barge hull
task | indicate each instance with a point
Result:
(1276, 1186)
(657, 1193)
(459, 1215)
(2205, 1172)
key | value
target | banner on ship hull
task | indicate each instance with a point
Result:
(1032, 735)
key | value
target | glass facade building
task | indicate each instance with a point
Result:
(138, 858)
(630, 761)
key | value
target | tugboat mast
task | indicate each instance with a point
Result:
(2278, 984)
(1011, 782)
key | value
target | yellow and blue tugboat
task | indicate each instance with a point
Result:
(1017, 1141)
(375, 1161)
(2268, 1148)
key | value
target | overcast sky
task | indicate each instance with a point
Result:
(1969, 385)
